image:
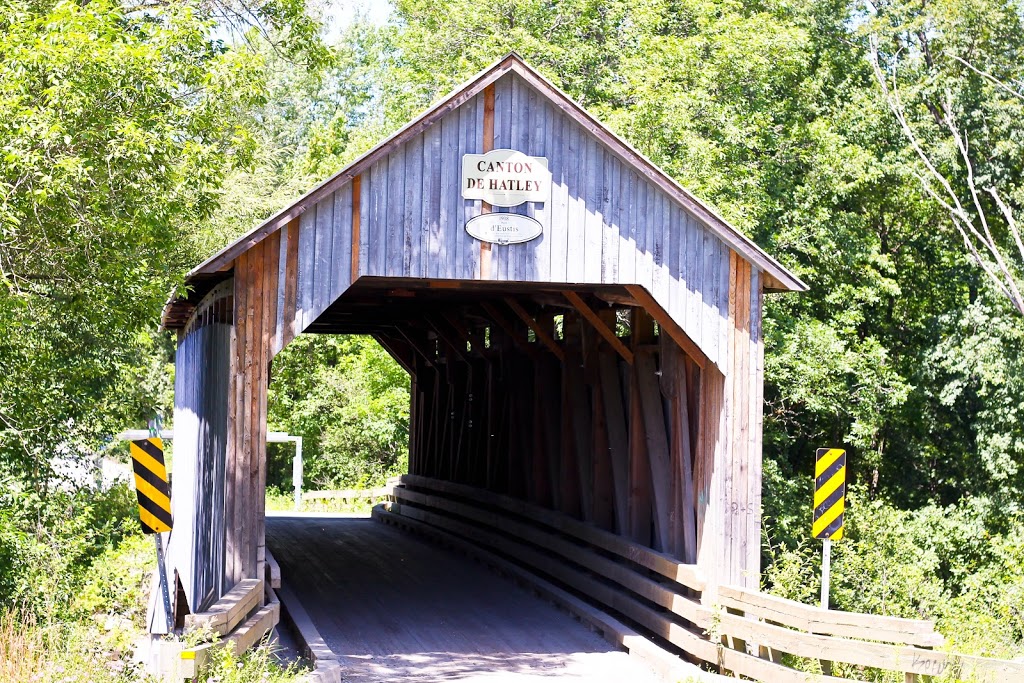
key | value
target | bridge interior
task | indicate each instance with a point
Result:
(576, 400)
(394, 607)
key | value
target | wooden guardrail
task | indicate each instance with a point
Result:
(663, 596)
(349, 495)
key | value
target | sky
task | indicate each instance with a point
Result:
(340, 13)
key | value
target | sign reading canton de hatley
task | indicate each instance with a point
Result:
(505, 177)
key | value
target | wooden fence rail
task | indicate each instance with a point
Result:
(741, 631)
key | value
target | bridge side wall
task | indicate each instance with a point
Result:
(202, 380)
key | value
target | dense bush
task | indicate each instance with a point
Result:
(47, 545)
(960, 565)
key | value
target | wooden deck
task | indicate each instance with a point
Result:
(396, 608)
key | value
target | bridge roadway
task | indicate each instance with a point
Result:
(394, 607)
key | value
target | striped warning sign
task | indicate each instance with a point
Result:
(829, 493)
(151, 485)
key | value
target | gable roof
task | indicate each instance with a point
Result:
(778, 278)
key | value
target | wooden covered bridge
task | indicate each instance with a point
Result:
(583, 338)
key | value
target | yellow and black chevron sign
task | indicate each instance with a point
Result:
(829, 493)
(151, 485)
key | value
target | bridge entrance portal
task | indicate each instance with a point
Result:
(582, 334)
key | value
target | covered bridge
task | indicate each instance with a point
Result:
(581, 333)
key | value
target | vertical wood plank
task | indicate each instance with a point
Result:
(644, 242)
(533, 251)
(610, 227)
(375, 228)
(662, 217)
(412, 209)
(695, 279)
(559, 215)
(291, 274)
(341, 251)
(270, 254)
(627, 229)
(395, 225)
(468, 251)
(250, 411)
(710, 291)
(450, 200)
(323, 267)
(576, 163)
(357, 220)
(593, 218)
(282, 279)
(434, 161)
(305, 282)
(753, 561)
(487, 144)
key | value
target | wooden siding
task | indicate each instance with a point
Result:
(200, 445)
(256, 297)
(604, 223)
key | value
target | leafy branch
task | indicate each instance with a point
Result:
(1001, 263)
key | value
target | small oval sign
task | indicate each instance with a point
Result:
(503, 228)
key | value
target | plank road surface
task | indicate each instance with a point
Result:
(394, 607)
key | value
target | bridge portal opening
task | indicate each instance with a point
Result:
(574, 399)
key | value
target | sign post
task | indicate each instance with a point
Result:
(154, 504)
(829, 506)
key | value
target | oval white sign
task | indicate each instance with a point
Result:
(503, 228)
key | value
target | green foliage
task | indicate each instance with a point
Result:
(115, 131)
(349, 401)
(258, 665)
(47, 545)
(959, 565)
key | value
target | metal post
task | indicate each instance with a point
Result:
(297, 472)
(826, 561)
(163, 582)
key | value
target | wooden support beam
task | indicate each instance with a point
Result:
(657, 448)
(510, 329)
(475, 341)
(618, 439)
(457, 346)
(416, 346)
(665, 321)
(640, 508)
(542, 334)
(398, 350)
(604, 496)
(607, 334)
(580, 430)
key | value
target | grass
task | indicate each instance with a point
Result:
(92, 639)
(285, 502)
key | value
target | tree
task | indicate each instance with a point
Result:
(117, 126)
(962, 110)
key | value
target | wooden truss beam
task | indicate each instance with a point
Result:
(607, 334)
(665, 322)
(541, 333)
